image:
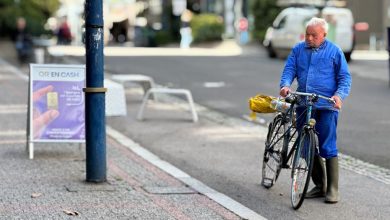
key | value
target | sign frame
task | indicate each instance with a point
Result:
(61, 89)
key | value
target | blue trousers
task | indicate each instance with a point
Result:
(325, 127)
(186, 37)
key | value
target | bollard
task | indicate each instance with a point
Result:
(372, 42)
(39, 55)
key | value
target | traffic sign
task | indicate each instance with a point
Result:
(243, 24)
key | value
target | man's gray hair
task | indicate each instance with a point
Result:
(318, 21)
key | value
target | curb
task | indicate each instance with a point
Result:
(227, 202)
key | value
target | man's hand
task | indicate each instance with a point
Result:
(284, 91)
(338, 101)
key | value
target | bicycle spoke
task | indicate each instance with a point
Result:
(276, 158)
(273, 166)
(277, 141)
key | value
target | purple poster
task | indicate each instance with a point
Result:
(57, 103)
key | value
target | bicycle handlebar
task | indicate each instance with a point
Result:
(313, 95)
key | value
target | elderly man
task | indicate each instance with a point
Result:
(320, 67)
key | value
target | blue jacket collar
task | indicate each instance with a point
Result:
(323, 44)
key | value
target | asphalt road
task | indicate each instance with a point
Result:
(225, 84)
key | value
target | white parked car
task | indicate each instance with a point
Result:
(289, 26)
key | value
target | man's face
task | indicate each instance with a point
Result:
(315, 35)
(21, 23)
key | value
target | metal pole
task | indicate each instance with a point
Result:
(95, 93)
(165, 15)
(388, 49)
(245, 6)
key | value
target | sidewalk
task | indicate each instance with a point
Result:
(52, 186)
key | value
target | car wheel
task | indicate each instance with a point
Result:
(348, 56)
(271, 51)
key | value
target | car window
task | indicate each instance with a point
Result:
(305, 21)
(281, 23)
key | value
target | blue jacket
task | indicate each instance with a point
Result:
(323, 70)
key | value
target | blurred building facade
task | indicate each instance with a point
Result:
(377, 15)
(121, 16)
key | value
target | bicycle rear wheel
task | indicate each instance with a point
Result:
(302, 167)
(272, 158)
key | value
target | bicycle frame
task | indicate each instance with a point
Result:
(288, 118)
(309, 122)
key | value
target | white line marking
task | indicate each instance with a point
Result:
(13, 106)
(370, 55)
(12, 133)
(214, 84)
(258, 120)
(13, 109)
(230, 49)
(6, 142)
(13, 69)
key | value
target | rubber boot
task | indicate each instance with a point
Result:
(332, 170)
(318, 177)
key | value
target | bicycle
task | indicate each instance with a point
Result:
(285, 139)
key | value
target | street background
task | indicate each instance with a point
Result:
(166, 166)
(223, 150)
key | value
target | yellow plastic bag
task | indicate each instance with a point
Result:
(261, 104)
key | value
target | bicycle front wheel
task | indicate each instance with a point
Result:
(272, 158)
(302, 167)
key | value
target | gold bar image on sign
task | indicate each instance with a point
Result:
(52, 100)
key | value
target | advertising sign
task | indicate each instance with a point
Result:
(56, 104)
